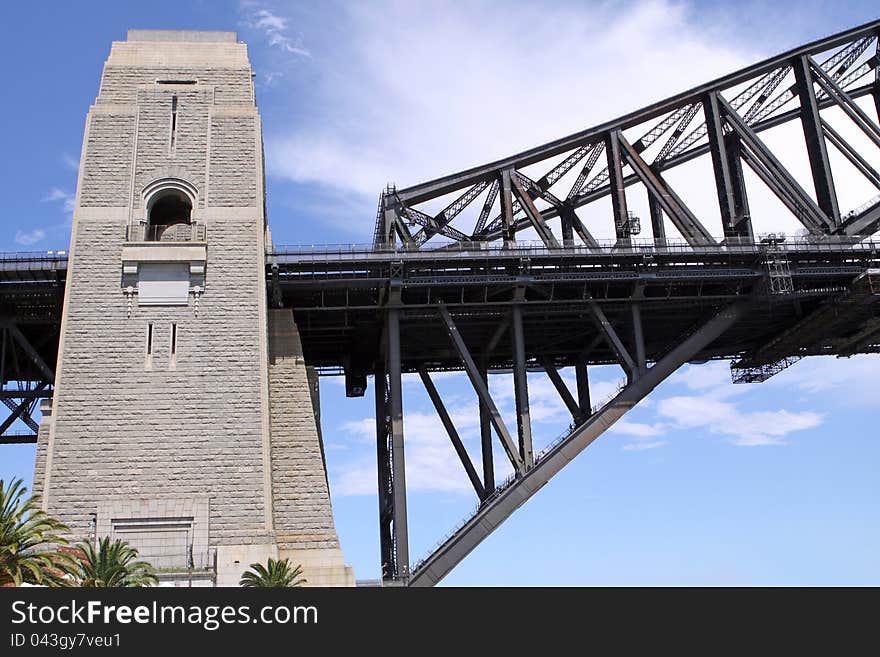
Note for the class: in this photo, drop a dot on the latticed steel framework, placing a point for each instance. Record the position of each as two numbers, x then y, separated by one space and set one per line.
724 119
540 193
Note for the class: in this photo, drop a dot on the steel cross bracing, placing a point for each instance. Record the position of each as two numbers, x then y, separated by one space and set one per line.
31 297
719 124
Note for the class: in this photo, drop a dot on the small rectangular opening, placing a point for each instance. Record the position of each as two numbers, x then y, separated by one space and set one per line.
148 359
172 361
176 82
173 121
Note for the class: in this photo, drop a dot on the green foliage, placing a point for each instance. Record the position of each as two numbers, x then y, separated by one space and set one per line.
28 537
112 564
278 574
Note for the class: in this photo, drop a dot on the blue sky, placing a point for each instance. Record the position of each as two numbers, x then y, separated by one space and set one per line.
704 483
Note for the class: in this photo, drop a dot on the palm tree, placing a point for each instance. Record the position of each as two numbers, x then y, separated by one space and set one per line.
278 574
112 565
27 539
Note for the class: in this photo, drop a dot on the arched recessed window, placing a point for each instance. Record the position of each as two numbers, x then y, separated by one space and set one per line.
169 202
168 209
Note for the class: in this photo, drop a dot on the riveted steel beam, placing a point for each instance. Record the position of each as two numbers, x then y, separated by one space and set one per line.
481 388
820 166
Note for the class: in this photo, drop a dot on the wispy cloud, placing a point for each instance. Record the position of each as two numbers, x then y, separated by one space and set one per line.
744 427
642 446
31 237
401 104
69 161
66 200
274 29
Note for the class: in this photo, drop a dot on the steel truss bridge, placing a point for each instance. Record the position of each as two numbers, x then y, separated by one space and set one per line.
494 269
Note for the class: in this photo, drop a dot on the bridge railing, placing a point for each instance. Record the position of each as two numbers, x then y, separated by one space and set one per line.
609 247
33 261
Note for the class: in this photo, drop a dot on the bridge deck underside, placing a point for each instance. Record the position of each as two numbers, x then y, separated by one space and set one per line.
339 303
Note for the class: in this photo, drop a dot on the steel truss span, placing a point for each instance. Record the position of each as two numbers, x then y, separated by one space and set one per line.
462 293
542 190
504 274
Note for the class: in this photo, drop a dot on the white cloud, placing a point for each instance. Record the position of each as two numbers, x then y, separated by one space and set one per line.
642 446
639 429
274 29
31 237
70 162
746 428
823 377
702 377
65 199
401 103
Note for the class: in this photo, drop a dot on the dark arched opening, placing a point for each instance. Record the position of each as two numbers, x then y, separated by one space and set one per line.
169 209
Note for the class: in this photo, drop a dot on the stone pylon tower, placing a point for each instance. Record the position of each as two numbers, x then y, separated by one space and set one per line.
184 417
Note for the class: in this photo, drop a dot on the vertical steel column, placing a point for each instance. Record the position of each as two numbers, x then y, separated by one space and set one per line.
521 388
720 163
389 219
506 195
618 188
815 138
398 468
383 463
743 222
657 226
639 339
565 216
583 385
486 436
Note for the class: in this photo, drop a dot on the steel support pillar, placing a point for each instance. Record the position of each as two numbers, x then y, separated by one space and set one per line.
820 166
398 468
506 195
618 188
742 226
486 436
521 388
638 339
720 163
582 374
658 229
567 229
383 463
